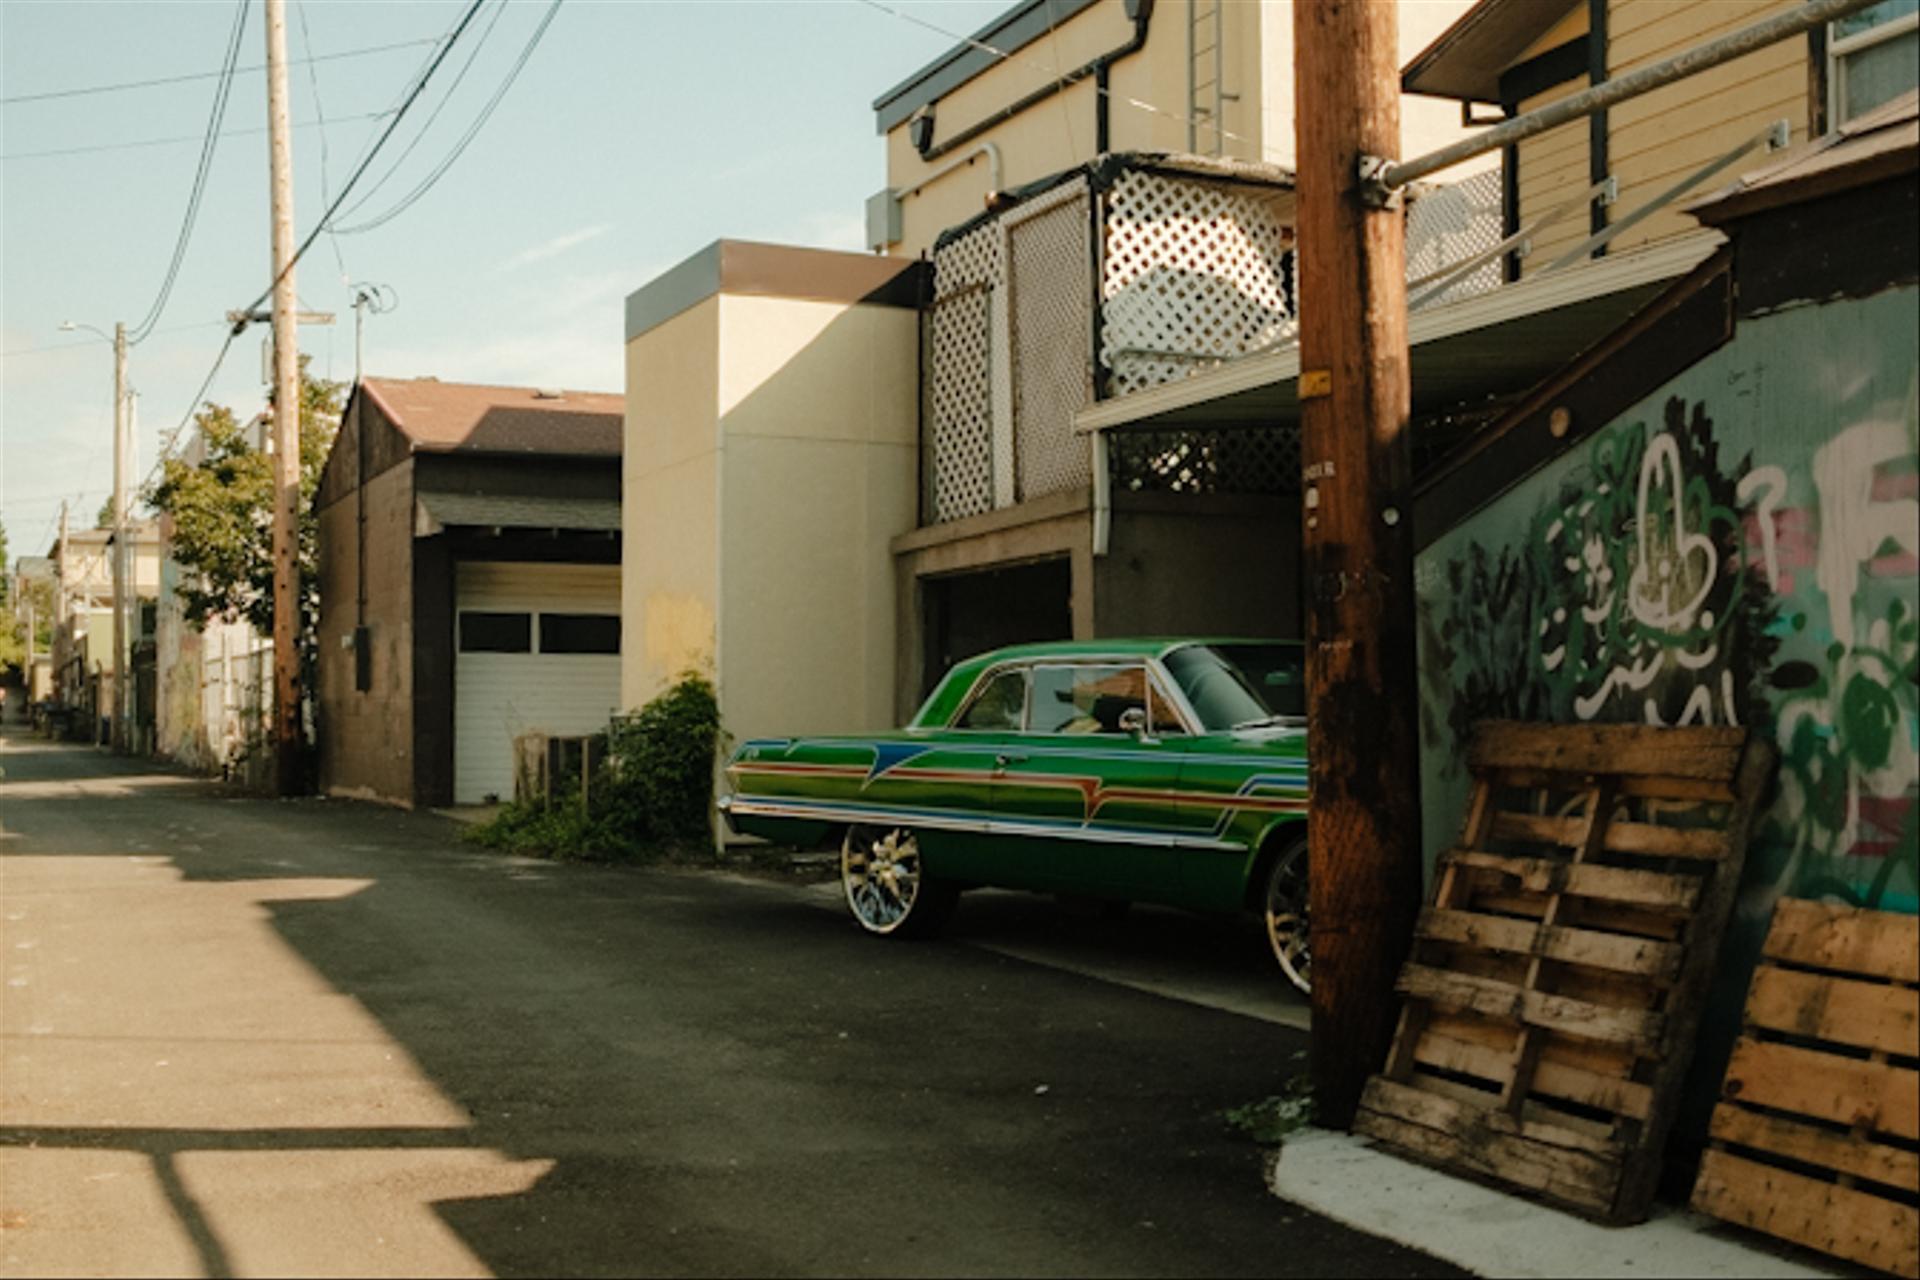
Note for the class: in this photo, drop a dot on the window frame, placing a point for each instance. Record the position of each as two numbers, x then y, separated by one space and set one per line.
985 681
1839 48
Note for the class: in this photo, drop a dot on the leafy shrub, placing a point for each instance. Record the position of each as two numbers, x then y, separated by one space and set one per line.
652 793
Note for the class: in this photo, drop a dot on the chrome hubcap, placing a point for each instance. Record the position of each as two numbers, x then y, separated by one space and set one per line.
881 873
1287 917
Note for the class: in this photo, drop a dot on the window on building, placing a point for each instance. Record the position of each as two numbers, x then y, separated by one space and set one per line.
1873 56
496 632
579 633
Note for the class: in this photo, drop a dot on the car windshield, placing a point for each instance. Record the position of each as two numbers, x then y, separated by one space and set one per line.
1234 685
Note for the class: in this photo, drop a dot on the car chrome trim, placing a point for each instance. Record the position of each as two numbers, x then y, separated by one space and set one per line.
935 820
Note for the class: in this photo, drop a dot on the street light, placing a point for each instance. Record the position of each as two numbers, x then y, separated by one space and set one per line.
122 619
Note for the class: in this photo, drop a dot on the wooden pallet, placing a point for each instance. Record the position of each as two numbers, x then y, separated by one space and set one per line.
1818 1138
1556 981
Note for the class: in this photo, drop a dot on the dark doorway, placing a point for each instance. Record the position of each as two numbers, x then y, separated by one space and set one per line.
969 613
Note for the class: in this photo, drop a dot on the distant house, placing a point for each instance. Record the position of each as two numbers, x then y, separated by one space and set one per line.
84 663
469 584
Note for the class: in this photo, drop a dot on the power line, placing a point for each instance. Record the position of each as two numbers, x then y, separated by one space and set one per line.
215 118
1053 73
319 110
179 138
208 75
427 184
458 78
393 124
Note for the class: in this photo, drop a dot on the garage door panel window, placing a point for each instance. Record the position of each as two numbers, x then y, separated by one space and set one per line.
488 632
579 633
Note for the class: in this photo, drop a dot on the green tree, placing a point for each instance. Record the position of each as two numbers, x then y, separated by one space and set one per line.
222 512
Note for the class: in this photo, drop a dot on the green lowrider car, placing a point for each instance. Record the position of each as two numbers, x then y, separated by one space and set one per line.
1171 771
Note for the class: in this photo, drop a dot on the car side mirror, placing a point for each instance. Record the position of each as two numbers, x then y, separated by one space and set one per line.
1134 721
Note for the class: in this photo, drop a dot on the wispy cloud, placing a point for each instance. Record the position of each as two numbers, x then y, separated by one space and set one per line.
555 247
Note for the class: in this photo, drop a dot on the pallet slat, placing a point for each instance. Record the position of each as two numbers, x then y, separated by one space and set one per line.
1622 837
1866 1015
1638 1029
1552 1078
1839 1220
1639 888
1555 942
1701 753
1874 1161
1845 939
1825 1086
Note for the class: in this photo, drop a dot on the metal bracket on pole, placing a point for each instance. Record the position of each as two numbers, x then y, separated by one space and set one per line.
1373 190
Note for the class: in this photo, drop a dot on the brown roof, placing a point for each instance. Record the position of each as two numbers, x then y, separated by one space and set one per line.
441 417
1883 143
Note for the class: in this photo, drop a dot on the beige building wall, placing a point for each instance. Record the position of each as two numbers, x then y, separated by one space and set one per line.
669 520
1151 103
1657 139
1426 124
819 441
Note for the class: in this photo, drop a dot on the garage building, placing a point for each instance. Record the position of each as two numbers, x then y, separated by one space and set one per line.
469 584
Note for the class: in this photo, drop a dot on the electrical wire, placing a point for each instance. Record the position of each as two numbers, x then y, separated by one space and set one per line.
88 342
1053 73
166 449
427 184
459 76
179 138
393 124
208 75
222 94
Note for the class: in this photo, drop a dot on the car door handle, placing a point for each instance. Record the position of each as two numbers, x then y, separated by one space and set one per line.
1002 761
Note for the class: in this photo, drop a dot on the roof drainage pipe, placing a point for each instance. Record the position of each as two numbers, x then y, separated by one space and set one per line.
994 170
1141 11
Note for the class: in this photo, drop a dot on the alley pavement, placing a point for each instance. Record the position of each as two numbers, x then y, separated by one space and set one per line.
252 1037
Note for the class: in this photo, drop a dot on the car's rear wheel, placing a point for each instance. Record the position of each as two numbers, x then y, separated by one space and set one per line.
1285 896
887 887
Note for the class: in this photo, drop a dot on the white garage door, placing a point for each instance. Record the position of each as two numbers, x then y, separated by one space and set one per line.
537 650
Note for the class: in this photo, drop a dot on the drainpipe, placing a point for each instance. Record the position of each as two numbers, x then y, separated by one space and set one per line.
995 172
1141 12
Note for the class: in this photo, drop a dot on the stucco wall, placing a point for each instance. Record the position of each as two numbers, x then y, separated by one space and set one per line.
367 738
818 414
1193 565
670 517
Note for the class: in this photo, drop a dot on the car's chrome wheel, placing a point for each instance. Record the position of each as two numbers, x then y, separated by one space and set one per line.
1286 902
887 889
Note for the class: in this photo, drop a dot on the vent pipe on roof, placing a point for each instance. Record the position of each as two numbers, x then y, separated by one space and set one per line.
548 393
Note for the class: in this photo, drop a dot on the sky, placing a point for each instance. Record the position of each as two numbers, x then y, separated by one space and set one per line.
636 134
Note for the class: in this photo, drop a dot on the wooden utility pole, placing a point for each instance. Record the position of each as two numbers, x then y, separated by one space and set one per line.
118 563
287 735
1363 826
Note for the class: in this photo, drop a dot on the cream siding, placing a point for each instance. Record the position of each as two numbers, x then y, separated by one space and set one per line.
1657 139
1554 168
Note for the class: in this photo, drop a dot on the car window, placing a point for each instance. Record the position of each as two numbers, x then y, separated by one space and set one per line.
1085 699
997 706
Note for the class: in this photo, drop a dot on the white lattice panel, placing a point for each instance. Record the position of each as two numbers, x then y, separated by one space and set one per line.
1051 285
1450 224
1193 275
960 377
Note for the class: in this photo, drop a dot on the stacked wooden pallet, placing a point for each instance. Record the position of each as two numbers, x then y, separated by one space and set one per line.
1556 980
1816 1139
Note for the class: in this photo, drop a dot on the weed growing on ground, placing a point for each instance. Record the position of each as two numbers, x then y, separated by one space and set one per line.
651 797
1270 1120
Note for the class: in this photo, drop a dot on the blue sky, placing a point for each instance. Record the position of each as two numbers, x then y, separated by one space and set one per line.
637 133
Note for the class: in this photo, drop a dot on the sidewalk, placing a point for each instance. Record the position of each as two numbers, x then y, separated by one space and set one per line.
1492 1233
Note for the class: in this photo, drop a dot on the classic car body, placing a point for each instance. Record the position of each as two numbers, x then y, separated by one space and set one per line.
1170 771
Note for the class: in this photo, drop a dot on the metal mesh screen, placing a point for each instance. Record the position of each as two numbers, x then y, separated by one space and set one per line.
1206 460
1193 274
1051 286
1450 224
958 456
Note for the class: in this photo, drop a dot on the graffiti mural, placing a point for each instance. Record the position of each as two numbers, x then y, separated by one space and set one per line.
1716 559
